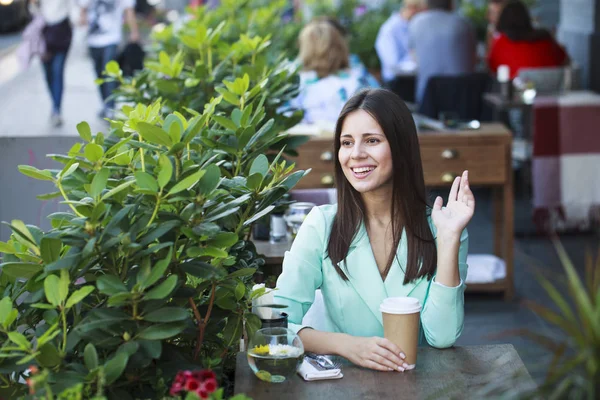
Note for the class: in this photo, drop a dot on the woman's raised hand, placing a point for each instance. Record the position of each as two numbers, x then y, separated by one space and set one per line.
454 217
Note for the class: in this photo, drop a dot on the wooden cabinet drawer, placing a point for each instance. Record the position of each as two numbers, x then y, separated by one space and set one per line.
442 161
486 164
317 155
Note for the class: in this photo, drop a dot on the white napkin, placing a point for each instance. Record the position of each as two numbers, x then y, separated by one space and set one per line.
309 373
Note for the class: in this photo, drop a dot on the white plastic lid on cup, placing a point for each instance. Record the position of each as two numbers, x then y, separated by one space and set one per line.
400 305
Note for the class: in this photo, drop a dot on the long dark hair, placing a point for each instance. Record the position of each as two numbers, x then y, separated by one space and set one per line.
410 208
515 22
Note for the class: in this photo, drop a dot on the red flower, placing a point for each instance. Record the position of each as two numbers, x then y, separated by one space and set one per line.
210 385
176 388
206 374
203 394
191 385
33 369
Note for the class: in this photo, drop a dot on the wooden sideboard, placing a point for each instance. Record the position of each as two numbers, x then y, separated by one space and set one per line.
485 152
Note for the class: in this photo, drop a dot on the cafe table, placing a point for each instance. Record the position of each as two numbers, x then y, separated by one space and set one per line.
458 372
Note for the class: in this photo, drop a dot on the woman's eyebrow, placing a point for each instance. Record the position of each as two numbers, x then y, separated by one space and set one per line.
364 134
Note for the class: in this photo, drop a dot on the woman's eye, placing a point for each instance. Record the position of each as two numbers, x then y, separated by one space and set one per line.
346 143
372 140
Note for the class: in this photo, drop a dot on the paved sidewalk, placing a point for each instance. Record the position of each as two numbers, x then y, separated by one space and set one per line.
25 102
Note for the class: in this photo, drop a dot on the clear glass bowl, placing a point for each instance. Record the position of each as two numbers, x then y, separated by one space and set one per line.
274 354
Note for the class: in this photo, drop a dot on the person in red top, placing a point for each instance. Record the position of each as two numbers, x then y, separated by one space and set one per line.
519 45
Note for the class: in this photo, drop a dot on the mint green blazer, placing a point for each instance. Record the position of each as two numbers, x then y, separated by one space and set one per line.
353 306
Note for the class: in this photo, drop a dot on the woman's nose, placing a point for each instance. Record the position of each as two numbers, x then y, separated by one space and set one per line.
358 151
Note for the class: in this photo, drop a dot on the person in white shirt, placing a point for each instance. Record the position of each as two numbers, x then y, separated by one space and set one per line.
57 34
327 80
392 40
105 23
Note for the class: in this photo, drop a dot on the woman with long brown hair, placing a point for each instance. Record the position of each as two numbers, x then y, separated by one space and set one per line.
382 239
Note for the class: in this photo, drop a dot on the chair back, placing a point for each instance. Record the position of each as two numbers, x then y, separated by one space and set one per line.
552 80
462 94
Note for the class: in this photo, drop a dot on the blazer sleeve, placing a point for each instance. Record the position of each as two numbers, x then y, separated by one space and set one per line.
443 313
302 270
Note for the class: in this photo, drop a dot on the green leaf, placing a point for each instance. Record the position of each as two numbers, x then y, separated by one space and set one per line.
68 170
63 285
225 122
117 189
229 97
114 367
167 314
233 329
110 285
157 232
146 181
78 295
113 69
50 249
224 239
49 356
259 215
21 229
240 291
162 331
5 309
253 182
51 289
119 299
19 339
166 171
243 272
7 248
163 290
93 152
260 165
210 180
174 126
187 182
154 134
50 334
84 131
99 182
43 306
90 357
206 251
18 270
203 270
35 173
158 271
293 179
48 196
261 132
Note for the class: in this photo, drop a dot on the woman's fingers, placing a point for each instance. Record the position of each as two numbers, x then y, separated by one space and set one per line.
454 190
464 179
438 203
389 350
376 366
382 360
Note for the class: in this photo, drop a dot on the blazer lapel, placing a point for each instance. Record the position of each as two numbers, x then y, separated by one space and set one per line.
394 283
363 273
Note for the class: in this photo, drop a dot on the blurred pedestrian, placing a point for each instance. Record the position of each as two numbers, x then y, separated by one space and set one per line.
519 45
392 40
57 34
105 33
442 42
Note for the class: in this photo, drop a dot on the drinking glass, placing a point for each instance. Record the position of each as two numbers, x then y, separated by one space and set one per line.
274 354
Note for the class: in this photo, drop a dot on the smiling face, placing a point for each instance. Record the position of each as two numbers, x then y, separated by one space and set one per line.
365 155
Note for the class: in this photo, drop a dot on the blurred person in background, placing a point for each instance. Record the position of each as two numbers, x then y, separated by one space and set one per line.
392 40
494 9
105 33
326 79
442 42
57 34
519 45
354 60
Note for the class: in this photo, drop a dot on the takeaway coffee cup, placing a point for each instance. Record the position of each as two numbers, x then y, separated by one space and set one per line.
401 324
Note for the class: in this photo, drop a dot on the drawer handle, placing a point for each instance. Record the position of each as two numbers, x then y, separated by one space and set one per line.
449 154
327 180
449 177
327 156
